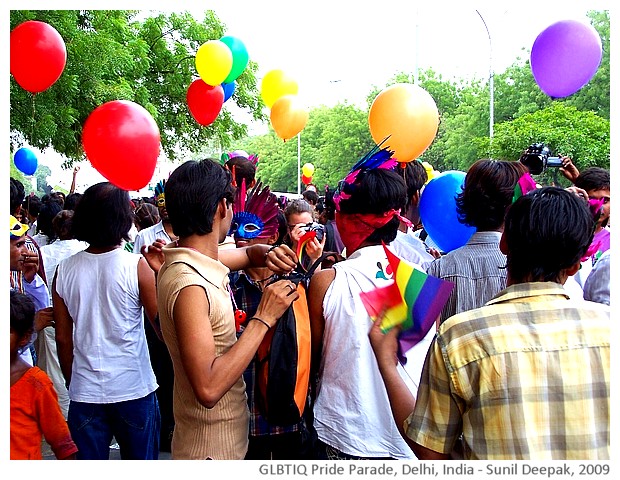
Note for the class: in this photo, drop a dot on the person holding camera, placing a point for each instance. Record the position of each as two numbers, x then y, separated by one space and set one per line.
299 216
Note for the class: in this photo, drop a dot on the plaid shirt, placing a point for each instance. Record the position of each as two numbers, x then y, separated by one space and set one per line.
247 295
524 377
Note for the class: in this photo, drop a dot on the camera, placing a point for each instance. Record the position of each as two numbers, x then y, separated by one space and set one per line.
536 158
315 227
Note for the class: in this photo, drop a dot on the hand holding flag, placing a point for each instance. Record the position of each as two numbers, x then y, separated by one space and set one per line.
413 300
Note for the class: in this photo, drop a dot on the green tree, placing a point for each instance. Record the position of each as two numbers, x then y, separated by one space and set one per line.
333 140
581 135
112 55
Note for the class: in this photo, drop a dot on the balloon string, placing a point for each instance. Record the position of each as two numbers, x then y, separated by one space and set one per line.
32 121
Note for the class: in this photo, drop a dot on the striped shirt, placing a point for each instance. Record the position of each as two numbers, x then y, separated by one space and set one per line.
524 377
477 271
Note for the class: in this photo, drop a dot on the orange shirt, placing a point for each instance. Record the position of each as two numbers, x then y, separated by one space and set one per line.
35 414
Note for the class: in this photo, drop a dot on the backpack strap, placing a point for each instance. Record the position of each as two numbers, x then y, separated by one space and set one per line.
318 261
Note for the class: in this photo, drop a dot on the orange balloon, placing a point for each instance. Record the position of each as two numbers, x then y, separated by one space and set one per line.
288 117
275 85
408 115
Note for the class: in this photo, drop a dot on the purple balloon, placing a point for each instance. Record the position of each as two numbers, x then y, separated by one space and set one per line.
565 56
239 153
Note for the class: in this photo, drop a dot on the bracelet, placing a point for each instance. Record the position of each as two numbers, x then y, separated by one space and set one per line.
261 321
271 249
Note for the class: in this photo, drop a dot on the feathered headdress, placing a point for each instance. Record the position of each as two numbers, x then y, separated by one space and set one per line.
256 216
228 155
377 157
160 197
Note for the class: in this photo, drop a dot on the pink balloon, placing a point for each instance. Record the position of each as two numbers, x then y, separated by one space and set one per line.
565 56
121 139
38 55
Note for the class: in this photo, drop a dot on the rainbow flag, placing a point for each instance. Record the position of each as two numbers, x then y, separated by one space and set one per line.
413 300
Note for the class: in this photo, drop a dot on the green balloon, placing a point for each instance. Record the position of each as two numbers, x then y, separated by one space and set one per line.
240 57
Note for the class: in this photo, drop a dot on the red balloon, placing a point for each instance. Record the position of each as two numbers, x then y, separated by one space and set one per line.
306 180
204 101
38 55
121 140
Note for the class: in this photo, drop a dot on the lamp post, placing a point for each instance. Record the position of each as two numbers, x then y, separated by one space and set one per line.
490 77
299 163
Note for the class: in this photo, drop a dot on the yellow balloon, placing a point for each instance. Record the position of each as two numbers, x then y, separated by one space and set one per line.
213 62
308 169
275 85
408 115
430 171
288 117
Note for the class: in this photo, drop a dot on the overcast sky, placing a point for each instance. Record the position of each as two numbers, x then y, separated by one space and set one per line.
339 50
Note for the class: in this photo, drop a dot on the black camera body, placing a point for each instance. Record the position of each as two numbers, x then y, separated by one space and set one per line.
319 228
536 158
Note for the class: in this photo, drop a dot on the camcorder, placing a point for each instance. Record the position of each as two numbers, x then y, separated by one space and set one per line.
319 228
536 158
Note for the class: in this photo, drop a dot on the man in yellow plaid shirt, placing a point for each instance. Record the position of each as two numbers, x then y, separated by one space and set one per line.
527 375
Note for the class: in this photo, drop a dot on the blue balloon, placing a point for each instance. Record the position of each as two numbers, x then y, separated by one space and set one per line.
26 161
438 211
229 89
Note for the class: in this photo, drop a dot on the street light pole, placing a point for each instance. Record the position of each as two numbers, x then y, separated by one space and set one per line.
299 163
490 77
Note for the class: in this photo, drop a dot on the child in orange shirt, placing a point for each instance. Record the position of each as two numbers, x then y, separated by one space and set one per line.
35 412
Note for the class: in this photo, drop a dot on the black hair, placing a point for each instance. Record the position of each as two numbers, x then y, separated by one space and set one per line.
49 209
593 178
62 224
546 231
243 169
32 204
146 215
282 228
310 196
103 216
487 193
57 197
72 200
22 313
329 205
415 177
17 194
192 195
377 191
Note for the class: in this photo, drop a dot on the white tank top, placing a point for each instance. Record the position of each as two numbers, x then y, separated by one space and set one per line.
352 410
110 355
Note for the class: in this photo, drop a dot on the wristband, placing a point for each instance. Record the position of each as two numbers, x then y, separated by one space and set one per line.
261 321
272 248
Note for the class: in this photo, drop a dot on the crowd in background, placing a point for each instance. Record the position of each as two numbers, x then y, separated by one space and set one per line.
136 321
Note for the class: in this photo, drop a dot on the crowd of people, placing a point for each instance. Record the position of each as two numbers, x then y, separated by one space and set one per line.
137 321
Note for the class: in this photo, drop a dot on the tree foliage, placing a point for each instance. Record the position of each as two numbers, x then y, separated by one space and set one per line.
114 55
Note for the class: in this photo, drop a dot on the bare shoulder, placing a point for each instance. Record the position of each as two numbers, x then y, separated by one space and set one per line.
321 280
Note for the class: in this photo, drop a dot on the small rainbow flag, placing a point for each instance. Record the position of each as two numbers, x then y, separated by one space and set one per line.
413 300
303 241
